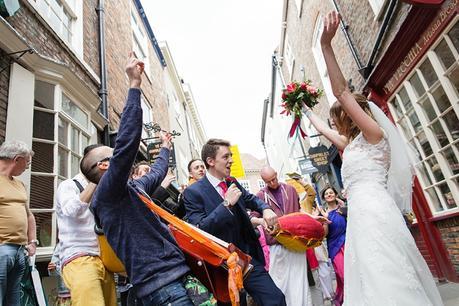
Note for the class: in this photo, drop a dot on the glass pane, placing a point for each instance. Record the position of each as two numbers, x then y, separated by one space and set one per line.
62 132
41 192
441 99
435 167
398 109
454 78
75 164
43 158
404 98
417 85
74 111
44 228
44 95
428 109
43 125
434 199
414 120
84 143
447 195
405 128
428 72
451 158
62 157
425 175
454 35
439 133
444 54
54 20
75 140
424 144
452 123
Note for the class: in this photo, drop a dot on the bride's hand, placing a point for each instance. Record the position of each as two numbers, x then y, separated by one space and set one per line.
331 24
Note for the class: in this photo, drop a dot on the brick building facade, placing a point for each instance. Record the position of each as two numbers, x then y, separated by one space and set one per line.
405 56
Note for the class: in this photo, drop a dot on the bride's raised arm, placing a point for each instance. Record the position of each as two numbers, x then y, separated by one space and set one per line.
366 124
332 135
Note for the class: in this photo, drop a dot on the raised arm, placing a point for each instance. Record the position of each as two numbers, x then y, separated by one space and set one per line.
332 135
366 124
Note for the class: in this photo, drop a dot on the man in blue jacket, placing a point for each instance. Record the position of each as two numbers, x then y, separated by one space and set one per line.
217 204
153 261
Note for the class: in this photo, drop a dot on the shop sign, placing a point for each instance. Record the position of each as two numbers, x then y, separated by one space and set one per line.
419 48
306 166
319 158
237 168
153 149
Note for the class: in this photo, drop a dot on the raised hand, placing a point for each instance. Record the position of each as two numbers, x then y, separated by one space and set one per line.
166 139
134 70
233 194
331 24
167 180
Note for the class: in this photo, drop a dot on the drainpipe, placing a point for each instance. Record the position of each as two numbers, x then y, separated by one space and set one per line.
103 92
283 32
366 71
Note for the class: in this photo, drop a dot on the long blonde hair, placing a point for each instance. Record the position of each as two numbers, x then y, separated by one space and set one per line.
343 122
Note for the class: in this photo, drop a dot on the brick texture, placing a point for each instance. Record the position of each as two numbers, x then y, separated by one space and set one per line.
4 85
449 229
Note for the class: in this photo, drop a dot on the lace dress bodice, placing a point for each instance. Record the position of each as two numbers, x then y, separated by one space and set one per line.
365 163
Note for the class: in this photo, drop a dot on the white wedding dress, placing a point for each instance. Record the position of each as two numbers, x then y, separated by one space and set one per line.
382 265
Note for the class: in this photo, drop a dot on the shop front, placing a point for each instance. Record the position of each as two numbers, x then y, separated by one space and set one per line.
416 83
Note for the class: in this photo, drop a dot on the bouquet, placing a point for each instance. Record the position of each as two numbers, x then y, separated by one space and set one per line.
293 98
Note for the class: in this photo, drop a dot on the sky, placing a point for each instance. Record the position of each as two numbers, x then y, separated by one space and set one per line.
223 49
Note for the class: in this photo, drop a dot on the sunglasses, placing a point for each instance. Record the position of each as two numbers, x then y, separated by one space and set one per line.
106 159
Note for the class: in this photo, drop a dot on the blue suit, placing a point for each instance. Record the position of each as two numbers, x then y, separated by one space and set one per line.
205 209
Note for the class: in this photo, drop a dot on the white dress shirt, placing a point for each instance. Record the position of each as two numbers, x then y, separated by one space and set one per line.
75 221
215 181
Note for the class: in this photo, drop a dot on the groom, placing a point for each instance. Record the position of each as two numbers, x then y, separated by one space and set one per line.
219 208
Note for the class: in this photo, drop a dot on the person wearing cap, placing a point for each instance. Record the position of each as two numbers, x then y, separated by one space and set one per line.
305 191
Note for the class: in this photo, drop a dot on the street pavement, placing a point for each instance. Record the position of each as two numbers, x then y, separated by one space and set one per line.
449 293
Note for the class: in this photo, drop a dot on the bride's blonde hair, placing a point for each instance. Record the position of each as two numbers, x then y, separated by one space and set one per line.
343 122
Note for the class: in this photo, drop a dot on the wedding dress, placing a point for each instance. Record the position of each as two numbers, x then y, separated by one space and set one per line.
382 265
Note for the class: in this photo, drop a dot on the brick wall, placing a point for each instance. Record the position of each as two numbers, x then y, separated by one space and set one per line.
118 39
39 36
421 244
90 34
4 86
449 229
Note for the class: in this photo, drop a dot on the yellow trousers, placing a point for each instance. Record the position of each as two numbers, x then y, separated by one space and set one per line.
90 284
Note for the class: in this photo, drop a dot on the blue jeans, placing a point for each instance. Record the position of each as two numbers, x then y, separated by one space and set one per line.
173 294
12 267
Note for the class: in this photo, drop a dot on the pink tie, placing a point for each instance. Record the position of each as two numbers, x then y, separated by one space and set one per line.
224 187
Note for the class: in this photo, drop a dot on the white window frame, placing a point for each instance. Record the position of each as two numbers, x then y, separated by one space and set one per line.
89 132
245 184
378 7
261 184
320 61
140 41
147 115
74 9
289 58
450 178
299 7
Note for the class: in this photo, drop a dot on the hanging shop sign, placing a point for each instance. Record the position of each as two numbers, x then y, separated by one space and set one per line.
237 168
319 158
306 166
153 149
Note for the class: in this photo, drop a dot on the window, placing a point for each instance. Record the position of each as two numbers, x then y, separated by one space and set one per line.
261 184
61 131
146 116
140 41
60 15
426 109
377 7
245 184
320 62
289 58
299 6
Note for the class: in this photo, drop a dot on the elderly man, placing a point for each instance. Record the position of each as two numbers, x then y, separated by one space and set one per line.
17 223
288 269
154 263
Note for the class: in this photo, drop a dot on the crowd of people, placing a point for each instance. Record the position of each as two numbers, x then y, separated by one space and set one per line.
370 267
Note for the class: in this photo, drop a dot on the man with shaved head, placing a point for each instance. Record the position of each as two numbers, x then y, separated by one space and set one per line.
154 263
288 269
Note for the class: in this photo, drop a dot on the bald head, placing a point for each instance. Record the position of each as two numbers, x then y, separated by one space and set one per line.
269 176
95 163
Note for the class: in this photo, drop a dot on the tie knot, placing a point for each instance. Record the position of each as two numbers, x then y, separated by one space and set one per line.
223 186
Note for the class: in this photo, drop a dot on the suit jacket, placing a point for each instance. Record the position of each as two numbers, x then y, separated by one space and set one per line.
204 208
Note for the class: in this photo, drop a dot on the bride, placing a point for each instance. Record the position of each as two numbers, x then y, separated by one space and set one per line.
382 265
